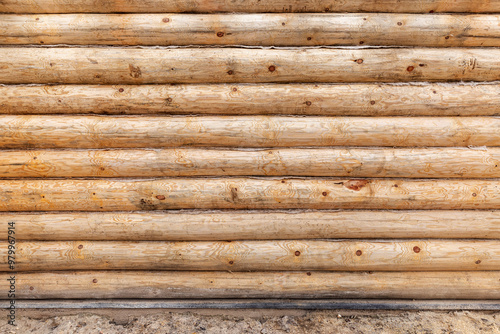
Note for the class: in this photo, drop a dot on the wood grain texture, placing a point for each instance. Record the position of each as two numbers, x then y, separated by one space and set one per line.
220 65
252 225
247 193
408 255
179 162
253 29
178 284
28 132
299 99
203 6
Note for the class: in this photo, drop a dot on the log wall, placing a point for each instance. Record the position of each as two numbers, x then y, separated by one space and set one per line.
250 149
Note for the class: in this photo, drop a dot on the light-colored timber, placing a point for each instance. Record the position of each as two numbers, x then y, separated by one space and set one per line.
252 225
246 193
65 131
203 6
253 29
178 284
299 99
178 162
264 255
218 65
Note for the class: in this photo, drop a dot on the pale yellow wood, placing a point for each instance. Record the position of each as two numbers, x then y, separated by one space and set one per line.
341 162
300 99
246 193
178 284
218 65
149 6
252 29
408 255
252 225
21 132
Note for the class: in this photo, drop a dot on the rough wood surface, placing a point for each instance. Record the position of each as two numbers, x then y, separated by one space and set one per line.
247 193
252 225
252 29
341 162
407 255
219 65
23 132
203 6
178 284
299 99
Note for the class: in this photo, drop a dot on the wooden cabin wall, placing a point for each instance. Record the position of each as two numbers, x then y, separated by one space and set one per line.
250 149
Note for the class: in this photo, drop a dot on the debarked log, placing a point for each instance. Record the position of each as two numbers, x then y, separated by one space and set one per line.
181 162
253 29
188 284
247 193
293 6
252 225
30 132
264 255
114 65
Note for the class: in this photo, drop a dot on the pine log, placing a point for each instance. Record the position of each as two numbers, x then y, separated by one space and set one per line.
252 225
179 162
28 132
240 99
179 284
219 65
246 193
292 6
265 255
253 29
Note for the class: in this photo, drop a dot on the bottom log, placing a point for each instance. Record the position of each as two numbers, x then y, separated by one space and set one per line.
140 284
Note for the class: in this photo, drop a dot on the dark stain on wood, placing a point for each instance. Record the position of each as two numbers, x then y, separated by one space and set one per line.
356 185
135 71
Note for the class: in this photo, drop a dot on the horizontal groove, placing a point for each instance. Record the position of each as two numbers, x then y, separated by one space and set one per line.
418 99
253 29
219 65
198 225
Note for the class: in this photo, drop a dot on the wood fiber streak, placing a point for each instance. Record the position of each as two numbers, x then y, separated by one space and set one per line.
253 29
204 6
28 132
408 255
179 162
299 99
220 65
238 225
246 193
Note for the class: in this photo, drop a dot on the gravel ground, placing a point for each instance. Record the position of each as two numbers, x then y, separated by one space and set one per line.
254 321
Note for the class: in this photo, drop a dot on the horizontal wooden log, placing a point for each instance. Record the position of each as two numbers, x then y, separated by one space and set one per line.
178 284
23 132
178 162
299 99
408 255
247 193
252 29
201 6
251 225
219 65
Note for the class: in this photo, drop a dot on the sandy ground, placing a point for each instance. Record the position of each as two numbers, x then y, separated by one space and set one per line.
254 321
